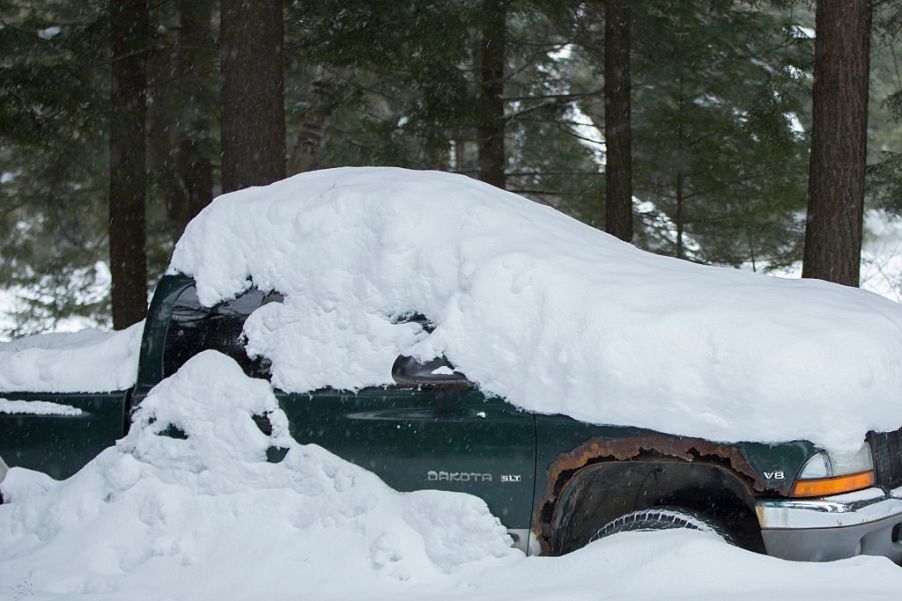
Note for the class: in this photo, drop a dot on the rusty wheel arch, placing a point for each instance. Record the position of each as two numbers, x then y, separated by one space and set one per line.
658 448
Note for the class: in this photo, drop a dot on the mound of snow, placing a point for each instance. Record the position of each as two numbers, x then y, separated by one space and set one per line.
682 564
157 516
545 311
85 361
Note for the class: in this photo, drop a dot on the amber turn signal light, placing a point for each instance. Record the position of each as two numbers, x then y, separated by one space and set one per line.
822 487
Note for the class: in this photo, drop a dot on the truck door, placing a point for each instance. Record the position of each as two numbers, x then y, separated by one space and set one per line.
414 436
448 439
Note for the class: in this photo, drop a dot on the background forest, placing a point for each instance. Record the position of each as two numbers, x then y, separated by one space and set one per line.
509 91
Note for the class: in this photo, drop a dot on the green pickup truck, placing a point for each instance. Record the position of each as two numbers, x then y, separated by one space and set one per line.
556 483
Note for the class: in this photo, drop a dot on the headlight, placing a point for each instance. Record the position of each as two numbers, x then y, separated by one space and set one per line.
834 473
819 466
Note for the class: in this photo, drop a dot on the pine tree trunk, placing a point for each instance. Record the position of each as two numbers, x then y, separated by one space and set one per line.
490 129
253 111
130 37
163 115
618 167
838 141
194 62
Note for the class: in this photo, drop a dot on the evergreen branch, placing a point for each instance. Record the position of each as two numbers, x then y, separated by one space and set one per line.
568 96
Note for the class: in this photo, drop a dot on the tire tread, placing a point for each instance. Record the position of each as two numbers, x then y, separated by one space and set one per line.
663 518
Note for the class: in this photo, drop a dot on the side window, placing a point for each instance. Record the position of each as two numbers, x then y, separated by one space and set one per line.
194 328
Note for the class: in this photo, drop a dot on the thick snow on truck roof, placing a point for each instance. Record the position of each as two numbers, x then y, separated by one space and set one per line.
553 315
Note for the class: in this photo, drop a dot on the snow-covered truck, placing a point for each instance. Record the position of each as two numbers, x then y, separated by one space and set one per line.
447 335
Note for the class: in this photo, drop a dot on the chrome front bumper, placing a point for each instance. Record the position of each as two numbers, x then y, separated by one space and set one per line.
867 522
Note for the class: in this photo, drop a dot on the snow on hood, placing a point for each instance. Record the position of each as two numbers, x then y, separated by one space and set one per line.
85 361
159 514
553 315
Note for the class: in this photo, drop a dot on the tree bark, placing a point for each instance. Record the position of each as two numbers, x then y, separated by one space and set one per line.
618 163
130 40
194 60
490 128
163 115
838 141
253 110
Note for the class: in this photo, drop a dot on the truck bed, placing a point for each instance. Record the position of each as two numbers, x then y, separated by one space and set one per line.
58 433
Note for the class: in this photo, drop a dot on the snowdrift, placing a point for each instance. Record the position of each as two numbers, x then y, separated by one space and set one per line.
85 361
161 515
207 518
553 315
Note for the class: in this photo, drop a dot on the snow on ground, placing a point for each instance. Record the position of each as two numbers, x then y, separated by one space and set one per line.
7 307
207 518
545 311
20 306
85 361
881 255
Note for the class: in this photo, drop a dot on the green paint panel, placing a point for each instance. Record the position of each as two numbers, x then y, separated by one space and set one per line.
415 439
61 445
786 457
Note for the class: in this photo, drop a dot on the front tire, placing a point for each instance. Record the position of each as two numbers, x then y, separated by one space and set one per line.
663 518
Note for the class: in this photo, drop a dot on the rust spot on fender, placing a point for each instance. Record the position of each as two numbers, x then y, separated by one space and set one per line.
634 448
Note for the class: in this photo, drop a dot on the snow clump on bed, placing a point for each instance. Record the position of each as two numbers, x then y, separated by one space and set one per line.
207 508
85 361
553 315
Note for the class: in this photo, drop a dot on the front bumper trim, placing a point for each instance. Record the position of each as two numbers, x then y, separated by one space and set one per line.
868 523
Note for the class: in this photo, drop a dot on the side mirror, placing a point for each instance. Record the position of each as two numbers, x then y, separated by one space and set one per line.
435 373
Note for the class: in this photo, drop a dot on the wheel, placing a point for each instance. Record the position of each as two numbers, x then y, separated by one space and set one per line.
663 518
